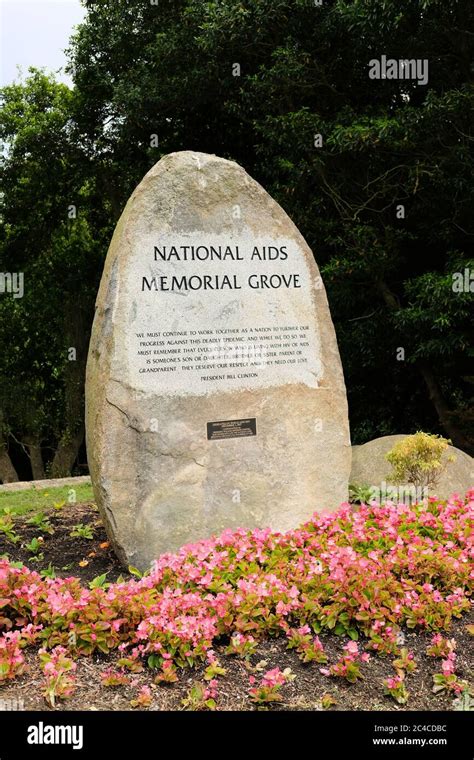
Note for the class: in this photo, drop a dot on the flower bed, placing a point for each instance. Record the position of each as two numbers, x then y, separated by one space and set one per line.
363 575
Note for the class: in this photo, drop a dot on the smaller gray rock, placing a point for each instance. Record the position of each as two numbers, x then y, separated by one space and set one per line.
370 468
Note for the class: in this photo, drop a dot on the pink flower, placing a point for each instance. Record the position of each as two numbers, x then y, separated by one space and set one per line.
273 678
393 683
317 644
303 630
352 648
449 664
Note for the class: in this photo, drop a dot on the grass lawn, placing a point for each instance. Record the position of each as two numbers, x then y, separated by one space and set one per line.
38 500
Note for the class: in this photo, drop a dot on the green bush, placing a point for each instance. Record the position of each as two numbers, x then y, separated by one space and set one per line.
419 459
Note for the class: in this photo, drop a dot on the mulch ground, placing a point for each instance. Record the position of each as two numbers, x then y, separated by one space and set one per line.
88 558
81 557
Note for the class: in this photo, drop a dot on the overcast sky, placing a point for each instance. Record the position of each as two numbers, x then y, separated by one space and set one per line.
35 33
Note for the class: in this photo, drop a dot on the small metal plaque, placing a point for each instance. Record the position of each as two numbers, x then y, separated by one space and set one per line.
219 431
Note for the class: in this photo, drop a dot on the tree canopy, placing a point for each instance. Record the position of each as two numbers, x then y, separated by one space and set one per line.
377 174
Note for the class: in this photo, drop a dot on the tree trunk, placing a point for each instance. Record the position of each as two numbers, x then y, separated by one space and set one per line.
444 413
8 474
73 434
36 458
67 453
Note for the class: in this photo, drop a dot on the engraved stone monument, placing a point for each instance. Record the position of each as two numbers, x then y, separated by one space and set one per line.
214 395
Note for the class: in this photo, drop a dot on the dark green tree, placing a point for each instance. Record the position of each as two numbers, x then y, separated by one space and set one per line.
169 70
53 234
283 88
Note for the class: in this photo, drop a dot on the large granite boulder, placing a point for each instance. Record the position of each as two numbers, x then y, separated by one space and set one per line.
214 396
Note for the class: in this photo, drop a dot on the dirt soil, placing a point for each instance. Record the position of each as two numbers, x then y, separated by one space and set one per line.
82 557
69 557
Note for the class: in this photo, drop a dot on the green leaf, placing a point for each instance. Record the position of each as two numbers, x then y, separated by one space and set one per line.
98 581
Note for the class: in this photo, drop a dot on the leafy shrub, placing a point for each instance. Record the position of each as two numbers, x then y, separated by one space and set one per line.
7 527
395 687
112 677
418 459
201 697
309 648
58 670
360 494
12 662
82 531
405 662
42 522
143 699
348 666
268 690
